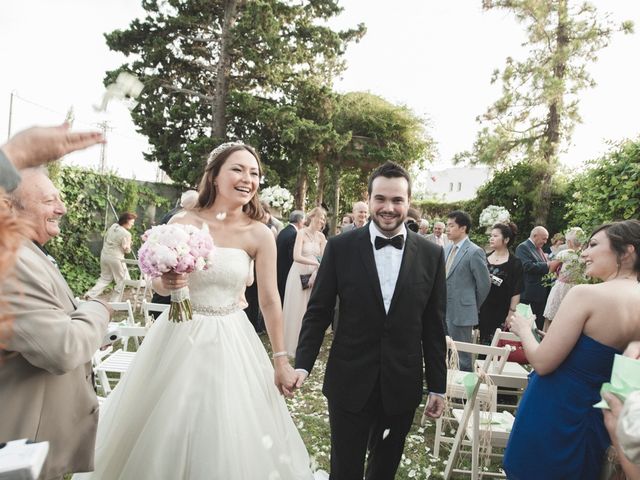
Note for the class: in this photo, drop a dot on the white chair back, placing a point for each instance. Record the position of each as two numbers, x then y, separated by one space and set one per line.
148 307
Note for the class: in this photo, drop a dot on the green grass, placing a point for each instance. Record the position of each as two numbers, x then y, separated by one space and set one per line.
309 411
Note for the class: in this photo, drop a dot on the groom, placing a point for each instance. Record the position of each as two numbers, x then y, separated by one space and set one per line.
391 284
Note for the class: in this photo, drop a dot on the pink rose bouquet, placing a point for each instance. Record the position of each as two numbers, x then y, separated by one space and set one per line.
178 248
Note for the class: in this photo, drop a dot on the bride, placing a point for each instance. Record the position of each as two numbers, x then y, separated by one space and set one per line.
199 400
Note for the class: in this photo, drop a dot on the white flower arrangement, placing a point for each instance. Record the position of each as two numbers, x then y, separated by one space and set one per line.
277 197
494 214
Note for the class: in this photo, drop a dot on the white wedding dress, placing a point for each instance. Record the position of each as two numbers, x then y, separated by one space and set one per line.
199 401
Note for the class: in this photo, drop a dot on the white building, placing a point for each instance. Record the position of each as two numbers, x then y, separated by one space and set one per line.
450 184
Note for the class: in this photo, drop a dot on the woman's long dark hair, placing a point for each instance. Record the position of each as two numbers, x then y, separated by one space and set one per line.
620 235
207 190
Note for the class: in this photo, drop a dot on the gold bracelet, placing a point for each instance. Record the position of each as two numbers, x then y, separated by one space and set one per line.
279 354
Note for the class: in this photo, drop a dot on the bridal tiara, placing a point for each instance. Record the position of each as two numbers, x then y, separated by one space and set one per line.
221 148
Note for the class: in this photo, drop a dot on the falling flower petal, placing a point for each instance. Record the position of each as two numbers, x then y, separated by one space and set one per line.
221 216
267 442
385 433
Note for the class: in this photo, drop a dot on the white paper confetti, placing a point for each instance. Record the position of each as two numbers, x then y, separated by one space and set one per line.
221 216
126 85
267 442
385 433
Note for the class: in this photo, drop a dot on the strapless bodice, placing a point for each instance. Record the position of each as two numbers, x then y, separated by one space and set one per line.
224 282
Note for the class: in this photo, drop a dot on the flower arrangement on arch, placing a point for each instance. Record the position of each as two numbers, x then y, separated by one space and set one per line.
277 197
494 214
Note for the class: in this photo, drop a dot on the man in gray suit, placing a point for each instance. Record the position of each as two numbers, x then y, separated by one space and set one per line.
468 281
46 384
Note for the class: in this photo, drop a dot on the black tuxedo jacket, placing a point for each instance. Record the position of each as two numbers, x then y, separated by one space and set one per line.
370 344
284 244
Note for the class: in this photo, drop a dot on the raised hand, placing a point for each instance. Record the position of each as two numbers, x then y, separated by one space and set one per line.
38 145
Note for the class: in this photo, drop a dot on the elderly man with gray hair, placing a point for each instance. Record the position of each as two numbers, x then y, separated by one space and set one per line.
46 385
284 244
360 212
535 265
438 236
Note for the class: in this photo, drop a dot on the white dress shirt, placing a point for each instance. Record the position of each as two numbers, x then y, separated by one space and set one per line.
388 260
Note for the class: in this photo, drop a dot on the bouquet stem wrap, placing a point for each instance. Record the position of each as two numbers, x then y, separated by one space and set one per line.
180 309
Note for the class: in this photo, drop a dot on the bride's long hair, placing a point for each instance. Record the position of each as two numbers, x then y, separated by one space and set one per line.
207 190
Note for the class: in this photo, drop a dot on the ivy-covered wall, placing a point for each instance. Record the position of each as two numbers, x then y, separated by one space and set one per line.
86 194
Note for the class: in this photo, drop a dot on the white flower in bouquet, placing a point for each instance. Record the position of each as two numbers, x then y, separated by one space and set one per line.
178 248
277 197
494 214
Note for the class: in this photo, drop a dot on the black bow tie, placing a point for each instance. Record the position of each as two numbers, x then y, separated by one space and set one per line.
396 242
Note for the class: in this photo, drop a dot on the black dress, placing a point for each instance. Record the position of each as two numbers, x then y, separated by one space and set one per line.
495 308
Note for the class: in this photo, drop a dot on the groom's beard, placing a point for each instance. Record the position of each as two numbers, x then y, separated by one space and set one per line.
388 228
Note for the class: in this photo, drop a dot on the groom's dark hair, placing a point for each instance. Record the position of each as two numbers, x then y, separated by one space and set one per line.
389 170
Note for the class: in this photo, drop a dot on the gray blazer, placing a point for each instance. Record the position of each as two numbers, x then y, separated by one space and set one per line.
46 385
468 284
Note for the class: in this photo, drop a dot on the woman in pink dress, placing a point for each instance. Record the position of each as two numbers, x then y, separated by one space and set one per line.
307 252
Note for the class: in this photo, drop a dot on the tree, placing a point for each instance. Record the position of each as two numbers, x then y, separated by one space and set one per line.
534 118
376 131
608 190
510 188
206 64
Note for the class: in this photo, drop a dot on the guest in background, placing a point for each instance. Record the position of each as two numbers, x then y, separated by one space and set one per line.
117 243
438 236
535 265
46 384
423 227
557 245
307 252
284 243
269 220
557 433
273 221
347 219
360 213
506 281
468 281
567 274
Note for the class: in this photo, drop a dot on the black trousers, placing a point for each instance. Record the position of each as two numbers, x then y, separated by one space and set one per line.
353 433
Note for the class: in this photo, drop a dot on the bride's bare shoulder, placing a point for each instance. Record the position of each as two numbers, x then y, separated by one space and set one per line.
188 217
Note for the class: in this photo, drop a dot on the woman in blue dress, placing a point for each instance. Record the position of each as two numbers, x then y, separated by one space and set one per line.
557 433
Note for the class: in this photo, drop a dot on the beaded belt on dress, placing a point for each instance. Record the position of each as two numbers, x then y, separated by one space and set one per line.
217 311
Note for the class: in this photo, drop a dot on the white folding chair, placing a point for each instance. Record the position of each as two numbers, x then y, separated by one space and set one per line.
474 424
128 321
135 285
513 378
455 383
148 307
115 362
